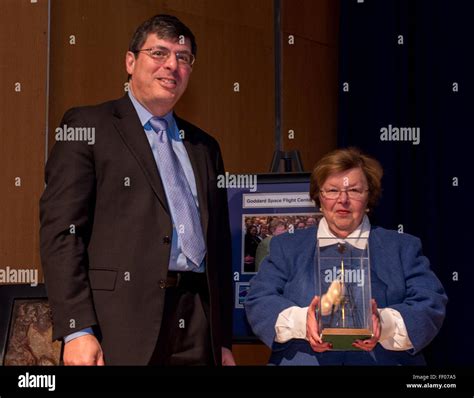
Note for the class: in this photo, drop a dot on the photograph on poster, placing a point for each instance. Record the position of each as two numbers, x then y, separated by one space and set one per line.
241 290
281 204
258 230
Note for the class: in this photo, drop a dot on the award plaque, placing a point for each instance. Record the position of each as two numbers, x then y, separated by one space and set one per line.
343 272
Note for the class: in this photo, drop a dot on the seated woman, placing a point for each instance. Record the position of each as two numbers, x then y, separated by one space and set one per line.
409 302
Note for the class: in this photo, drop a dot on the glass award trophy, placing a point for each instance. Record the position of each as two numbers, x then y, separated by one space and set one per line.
343 272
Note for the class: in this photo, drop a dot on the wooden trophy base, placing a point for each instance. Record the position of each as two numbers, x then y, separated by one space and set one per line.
342 338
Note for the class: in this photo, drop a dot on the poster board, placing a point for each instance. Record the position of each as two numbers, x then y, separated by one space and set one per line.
278 204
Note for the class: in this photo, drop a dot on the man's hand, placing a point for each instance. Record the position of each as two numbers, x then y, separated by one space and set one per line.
227 357
84 350
312 329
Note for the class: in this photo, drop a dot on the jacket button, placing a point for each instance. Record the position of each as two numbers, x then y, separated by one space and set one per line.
166 240
162 284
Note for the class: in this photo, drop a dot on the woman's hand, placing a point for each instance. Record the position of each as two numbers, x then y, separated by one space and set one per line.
369 344
312 328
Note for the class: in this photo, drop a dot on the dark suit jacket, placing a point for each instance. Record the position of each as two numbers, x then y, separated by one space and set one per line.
401 279
104 233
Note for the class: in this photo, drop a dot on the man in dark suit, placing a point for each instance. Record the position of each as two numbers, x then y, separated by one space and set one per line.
135 241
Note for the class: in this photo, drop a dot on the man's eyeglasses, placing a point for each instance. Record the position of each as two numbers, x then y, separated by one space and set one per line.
352 193
161 54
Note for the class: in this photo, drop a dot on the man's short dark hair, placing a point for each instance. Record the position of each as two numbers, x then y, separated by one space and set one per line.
165 27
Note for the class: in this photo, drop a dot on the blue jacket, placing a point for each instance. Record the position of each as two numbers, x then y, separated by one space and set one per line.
401 279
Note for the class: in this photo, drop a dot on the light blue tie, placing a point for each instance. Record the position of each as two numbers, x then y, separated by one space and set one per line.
187 222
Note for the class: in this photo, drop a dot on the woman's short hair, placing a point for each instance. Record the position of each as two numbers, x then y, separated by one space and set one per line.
346 159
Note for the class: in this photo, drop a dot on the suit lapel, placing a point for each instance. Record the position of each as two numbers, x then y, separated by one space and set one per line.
128 125
197 157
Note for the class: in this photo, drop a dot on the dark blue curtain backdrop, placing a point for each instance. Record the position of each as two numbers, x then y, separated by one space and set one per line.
411 85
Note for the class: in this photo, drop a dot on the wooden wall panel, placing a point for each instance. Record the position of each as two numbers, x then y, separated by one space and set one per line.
93 69
251 354
234 45
310 77
316 20
23 60
243 122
